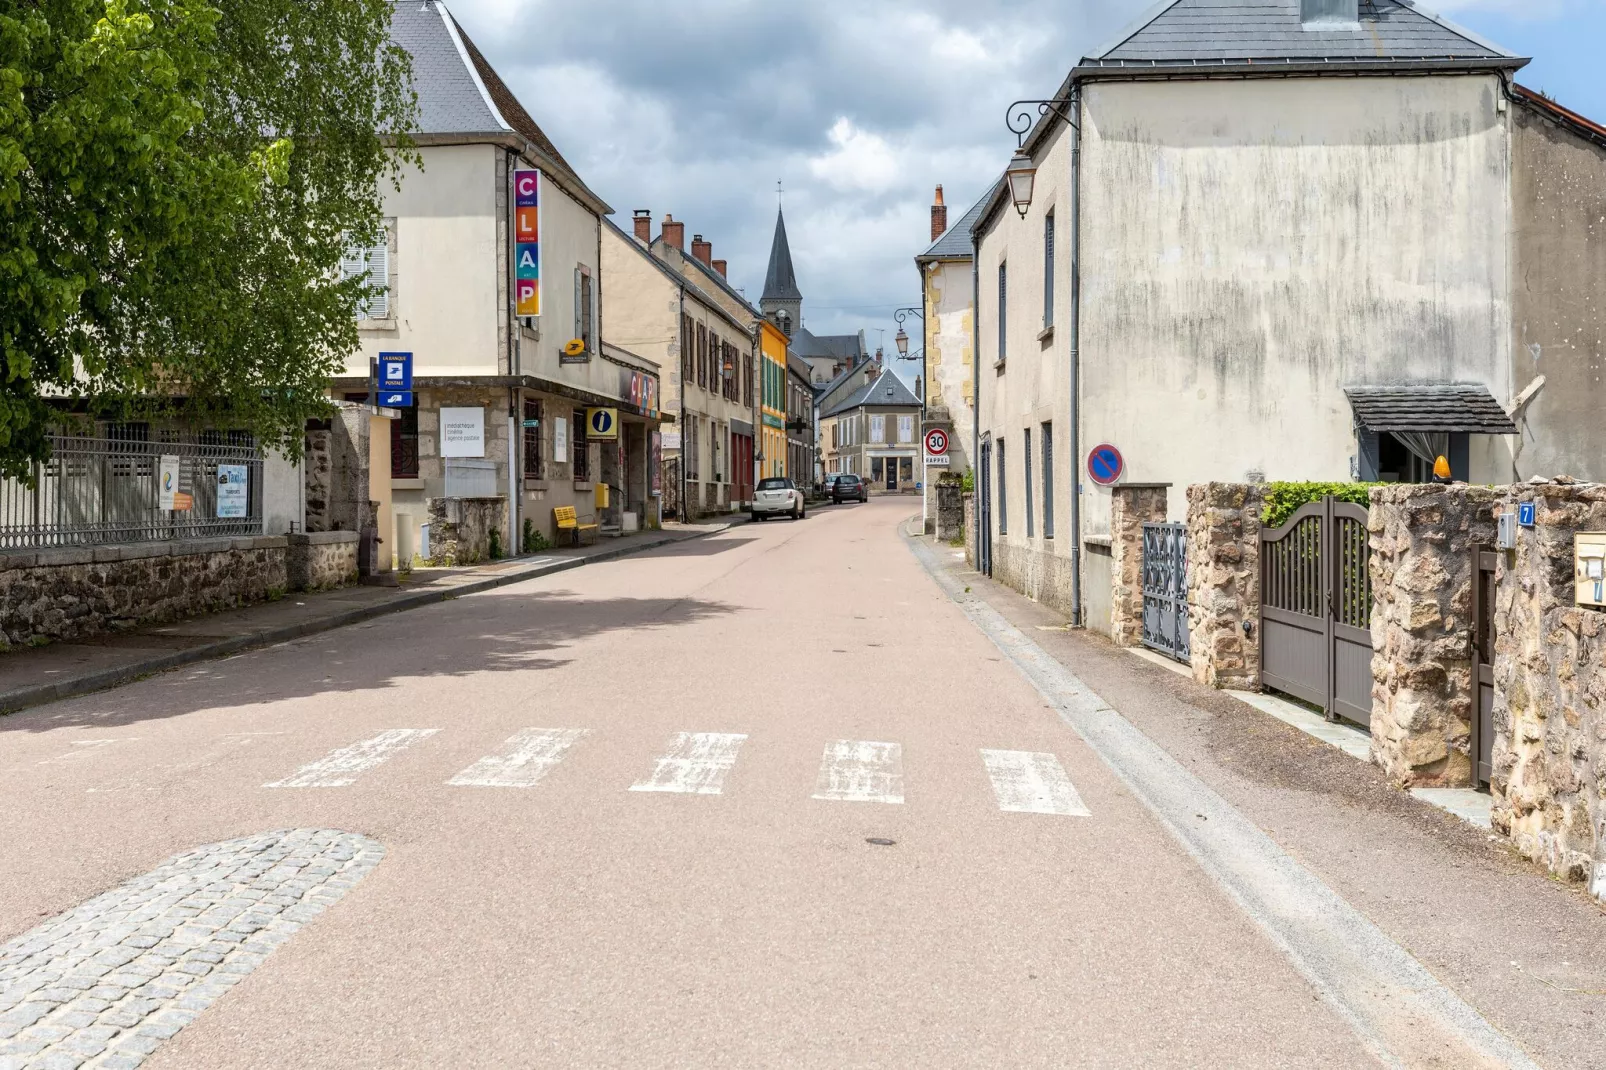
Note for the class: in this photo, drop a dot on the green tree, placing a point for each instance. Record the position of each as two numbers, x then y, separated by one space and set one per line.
178 182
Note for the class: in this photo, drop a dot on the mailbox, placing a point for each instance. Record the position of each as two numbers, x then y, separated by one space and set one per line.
1589 559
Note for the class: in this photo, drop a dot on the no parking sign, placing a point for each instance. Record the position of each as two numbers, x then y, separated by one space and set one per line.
1105 466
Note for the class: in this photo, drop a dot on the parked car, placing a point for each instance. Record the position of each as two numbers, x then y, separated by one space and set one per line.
825 485
777 497
849 488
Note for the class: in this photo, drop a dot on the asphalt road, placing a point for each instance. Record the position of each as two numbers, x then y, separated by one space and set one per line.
631 825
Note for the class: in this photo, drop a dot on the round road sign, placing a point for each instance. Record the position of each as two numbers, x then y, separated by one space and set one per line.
936 442
1105 465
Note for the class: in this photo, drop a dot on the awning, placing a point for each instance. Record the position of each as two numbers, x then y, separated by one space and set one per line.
1430 408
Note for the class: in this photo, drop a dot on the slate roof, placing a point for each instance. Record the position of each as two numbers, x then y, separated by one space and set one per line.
823 394
461 95
955 241
887 391
1424 407
836 346
1243 31
780 281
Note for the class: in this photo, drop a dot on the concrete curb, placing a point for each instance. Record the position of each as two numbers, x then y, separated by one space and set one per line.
23 698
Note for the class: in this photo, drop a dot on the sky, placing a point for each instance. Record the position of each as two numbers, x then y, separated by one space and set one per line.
699 107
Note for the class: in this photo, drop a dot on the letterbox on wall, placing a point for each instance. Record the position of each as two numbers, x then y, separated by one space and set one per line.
1589 561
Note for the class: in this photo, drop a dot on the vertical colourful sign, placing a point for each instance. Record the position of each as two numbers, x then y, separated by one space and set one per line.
527 242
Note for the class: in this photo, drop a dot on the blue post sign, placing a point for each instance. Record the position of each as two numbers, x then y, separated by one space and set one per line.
1105 465
395 381
1525 514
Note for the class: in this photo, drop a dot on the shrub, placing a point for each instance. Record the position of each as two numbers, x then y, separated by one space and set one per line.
534 541
1284 499
496 544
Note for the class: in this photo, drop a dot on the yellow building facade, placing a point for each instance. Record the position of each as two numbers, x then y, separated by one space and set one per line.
772 401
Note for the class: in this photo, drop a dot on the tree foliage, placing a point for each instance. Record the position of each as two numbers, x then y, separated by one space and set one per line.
178 181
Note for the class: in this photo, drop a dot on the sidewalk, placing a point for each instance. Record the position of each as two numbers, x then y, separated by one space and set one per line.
32 677
1527 952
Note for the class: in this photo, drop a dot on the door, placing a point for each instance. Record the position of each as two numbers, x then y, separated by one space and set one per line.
984 509
1483 638
1316 609
892 473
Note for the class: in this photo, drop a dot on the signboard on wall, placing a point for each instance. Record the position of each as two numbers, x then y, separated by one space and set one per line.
640 390
602 424
560 440
167 483
463 432
233 491
527 242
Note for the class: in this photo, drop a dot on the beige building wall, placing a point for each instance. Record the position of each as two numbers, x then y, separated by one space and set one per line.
950 317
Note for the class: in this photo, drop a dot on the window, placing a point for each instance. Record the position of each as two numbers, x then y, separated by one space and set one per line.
878 429
906 429
714 347
1048 271
1027 461
581 448
1048 481
1003 305
372 264
404 444
688 342
532 439
1003 498
714 472
584 312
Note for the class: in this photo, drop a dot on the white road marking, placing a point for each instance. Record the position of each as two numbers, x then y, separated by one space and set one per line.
855 770
83 747
1032 783
696 764
530 756
341 767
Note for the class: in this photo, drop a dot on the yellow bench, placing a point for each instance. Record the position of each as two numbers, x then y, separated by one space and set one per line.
568 520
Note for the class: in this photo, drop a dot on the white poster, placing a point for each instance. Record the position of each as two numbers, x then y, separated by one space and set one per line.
463 432
233 497
167 482
671 440
560 440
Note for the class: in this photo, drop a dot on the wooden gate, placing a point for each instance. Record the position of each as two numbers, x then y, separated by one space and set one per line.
1482 744
1316 609
1165 590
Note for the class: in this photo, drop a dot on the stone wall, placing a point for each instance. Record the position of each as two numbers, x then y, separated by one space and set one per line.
460 529
76 593
1041 576
1224 584
1131 506
336 471
321 560
1549 776
1423 538
950 510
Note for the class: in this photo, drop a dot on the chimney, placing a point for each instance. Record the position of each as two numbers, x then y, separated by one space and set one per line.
644 226
719 266
674 233
702 250
939 216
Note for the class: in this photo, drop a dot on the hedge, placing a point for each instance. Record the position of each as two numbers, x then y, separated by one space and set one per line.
1284 499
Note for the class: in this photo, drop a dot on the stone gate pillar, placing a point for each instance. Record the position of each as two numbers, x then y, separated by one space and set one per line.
1131 506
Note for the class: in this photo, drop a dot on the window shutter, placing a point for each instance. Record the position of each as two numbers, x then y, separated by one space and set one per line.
379 280
578 303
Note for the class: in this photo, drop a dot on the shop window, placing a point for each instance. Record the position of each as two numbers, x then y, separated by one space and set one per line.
532 439
581 448
404 444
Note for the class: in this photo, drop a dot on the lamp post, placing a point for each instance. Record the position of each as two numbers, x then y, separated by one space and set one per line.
902 342
1022 169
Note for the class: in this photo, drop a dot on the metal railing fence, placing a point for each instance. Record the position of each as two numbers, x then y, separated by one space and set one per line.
100 487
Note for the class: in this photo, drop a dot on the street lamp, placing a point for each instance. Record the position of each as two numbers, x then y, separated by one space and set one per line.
1022 169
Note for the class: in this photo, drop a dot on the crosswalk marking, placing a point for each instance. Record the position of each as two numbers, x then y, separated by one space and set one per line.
1029 783
529 756
861 771
341 767
696 764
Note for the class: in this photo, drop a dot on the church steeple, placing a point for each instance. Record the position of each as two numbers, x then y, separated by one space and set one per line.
782 301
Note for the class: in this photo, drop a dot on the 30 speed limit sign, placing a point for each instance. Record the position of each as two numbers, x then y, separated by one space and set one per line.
937 447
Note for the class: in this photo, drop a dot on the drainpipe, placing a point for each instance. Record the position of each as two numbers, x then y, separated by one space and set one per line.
1075 368
685 510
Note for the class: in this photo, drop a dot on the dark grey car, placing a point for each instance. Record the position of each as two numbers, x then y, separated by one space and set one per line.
849 488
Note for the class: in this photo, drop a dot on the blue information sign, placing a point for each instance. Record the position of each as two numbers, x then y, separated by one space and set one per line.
395 371
1105 465
1525 514
395 399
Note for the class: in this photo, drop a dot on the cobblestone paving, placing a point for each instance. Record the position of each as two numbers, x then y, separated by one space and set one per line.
103 985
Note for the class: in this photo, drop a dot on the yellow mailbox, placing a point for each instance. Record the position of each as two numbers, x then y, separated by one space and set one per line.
601 495
1589 560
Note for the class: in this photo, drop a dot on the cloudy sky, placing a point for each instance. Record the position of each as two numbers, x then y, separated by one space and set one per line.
698 108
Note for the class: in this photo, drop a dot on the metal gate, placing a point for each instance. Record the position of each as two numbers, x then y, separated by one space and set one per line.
1484 564
1165 590
1316 609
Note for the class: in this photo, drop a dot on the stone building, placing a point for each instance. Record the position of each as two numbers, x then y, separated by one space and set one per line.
875 433
802 462
503 395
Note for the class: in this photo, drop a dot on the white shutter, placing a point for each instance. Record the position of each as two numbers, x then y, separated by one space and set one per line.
378 306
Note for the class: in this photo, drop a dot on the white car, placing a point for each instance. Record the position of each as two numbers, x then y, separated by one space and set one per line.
777 497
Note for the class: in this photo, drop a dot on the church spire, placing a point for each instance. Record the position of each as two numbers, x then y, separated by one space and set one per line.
780 282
